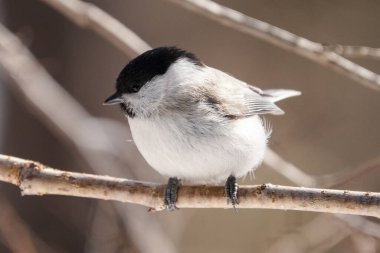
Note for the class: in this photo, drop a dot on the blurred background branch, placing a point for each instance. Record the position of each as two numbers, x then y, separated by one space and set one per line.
309 49
19 239
359 52
318 235
90 16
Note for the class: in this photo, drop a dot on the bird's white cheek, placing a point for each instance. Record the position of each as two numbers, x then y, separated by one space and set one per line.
146 101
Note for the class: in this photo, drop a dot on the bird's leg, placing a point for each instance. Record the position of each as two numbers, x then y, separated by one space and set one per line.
171 193
232 191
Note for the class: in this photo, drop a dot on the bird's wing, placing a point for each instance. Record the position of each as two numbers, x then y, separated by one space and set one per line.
232 98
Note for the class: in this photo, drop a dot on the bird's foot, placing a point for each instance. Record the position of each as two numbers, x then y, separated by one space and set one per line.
171 193
232 191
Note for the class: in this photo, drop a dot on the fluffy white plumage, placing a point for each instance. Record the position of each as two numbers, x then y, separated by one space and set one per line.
200 124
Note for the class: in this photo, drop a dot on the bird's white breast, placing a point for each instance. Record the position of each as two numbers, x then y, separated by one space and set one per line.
169 149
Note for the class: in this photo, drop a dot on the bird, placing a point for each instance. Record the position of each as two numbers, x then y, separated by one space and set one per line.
192 122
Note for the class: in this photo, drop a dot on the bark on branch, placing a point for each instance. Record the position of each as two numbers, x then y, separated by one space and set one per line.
34 178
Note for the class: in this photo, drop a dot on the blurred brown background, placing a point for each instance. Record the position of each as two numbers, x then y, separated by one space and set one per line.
333 126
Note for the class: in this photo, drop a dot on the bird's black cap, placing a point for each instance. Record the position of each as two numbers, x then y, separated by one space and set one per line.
148 65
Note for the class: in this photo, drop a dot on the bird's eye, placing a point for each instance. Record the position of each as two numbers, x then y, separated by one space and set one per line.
135 88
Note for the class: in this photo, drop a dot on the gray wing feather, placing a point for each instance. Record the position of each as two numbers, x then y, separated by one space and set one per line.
233 98
222 97
261 105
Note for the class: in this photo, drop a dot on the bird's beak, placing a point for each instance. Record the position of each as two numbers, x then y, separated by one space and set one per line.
113 100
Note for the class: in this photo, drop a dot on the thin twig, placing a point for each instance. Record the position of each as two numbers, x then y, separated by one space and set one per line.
309 49
324 231
341 177
288 169
359 52
364 243
36 179
363 225
88 15
299 177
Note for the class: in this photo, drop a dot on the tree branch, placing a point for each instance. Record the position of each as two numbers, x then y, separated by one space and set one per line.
36 179
355 51
88 15
311 50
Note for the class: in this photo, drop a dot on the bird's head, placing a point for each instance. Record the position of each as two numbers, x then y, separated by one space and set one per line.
142 83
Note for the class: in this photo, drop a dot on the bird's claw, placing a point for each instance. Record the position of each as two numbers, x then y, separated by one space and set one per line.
232 191
171 193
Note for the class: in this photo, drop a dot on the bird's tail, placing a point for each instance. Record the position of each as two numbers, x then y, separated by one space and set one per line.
275 95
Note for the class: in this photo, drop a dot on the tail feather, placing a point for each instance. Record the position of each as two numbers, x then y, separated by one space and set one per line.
275 95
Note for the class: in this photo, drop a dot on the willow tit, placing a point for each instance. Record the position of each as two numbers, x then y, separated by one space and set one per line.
194 122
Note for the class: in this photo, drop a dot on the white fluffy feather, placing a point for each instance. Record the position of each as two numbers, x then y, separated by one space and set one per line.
182 132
